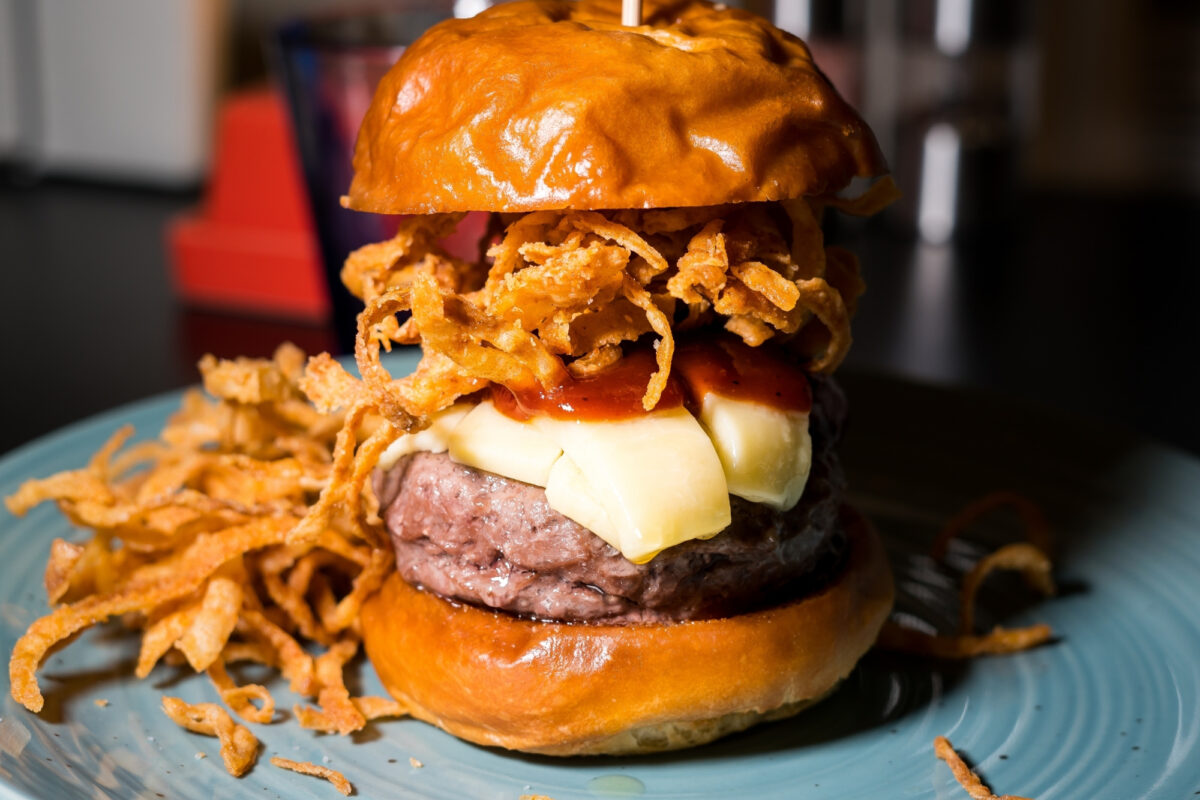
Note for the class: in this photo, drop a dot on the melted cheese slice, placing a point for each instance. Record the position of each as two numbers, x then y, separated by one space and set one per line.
430 440
642 484
569 493
488 440
657 478
766 453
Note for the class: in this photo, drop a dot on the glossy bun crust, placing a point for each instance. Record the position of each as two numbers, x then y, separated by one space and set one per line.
561 689
550 104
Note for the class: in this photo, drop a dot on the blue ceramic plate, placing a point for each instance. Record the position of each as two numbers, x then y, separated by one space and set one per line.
1111 709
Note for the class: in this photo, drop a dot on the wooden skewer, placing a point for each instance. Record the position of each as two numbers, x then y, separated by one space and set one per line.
631 13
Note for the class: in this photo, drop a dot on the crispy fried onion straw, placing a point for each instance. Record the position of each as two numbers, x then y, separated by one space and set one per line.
308 768
239 747
244 532
964 775
564 289
1037 529
1025 557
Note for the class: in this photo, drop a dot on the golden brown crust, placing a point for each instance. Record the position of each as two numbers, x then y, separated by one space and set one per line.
547 104
563 689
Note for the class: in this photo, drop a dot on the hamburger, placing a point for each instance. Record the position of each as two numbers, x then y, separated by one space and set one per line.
617 510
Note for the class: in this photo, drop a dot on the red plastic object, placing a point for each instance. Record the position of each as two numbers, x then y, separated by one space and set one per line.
252 246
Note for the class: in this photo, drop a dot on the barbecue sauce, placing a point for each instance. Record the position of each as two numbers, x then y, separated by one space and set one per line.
728 367
716 363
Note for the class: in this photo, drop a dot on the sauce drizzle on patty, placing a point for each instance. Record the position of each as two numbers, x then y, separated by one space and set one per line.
717 364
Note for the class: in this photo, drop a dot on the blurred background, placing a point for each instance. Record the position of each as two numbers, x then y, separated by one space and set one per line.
169 174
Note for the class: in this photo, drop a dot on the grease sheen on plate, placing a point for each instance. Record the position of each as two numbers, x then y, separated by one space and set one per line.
1107 711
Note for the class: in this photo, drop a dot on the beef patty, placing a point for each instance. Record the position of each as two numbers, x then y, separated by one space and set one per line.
491 541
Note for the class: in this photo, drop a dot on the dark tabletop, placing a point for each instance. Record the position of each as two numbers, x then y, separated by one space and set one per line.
1082 305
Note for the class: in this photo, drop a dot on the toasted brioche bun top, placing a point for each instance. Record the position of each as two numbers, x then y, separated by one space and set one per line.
551 104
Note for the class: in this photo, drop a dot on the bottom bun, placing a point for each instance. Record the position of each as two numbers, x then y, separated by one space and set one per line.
561 689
